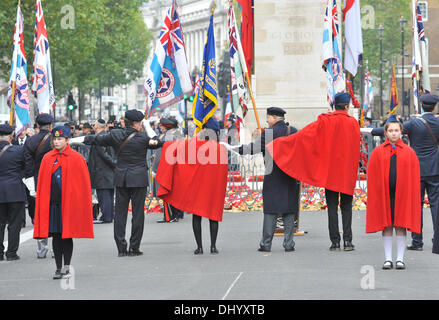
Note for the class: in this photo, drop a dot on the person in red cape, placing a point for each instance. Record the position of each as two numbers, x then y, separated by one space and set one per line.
192 175
63 208
393 193
326 154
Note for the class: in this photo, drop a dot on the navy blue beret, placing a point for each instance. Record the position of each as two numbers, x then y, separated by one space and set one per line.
429 99
134 115
61 131
342 98
6 129
212 124
392 118
169 122
45 118
275 111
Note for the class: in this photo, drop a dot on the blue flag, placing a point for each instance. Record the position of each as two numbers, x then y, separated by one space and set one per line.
205 102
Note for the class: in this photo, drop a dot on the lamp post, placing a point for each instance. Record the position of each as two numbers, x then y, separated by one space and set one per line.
380 32
402 23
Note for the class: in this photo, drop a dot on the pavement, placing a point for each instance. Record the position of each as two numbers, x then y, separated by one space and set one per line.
169 270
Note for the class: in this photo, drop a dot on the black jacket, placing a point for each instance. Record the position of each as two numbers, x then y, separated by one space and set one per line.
32 159
12 171
280 192
131 168
101 165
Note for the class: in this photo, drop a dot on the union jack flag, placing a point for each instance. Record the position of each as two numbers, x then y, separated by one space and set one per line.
420 24
42 81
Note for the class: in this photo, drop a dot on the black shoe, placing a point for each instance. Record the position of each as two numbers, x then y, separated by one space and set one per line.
134 253
415 248
348 246
198 251
57 275
12 258
162 221
214 250
334 247
289 249
262 249
122 254
174 220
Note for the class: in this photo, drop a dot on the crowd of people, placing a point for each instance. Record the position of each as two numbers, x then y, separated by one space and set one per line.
55 170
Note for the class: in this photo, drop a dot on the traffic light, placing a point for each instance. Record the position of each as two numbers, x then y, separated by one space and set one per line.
124 107
190 98
71 104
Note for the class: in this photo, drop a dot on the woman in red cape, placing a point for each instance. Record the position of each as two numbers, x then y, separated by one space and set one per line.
63 206
393 193
194 184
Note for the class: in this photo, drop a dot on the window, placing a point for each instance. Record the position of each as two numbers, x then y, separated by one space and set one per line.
140 89
423 7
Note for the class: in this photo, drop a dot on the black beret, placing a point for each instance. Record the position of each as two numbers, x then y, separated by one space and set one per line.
169 122
134 115
86 125
61 131
45 118
6 129
101 121
342 98
368 119
275 111
429 99
212 124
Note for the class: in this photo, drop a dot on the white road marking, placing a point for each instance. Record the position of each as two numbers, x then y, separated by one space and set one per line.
23 237
231 286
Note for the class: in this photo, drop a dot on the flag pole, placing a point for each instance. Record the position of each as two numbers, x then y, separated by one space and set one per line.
249 83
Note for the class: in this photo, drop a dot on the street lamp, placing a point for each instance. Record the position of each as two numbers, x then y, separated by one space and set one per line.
380 32
402 23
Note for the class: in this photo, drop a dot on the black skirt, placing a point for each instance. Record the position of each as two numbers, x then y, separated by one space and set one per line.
392 185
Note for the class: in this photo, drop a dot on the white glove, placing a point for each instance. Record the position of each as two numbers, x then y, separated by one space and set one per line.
366 131
229 147
151 133
77 140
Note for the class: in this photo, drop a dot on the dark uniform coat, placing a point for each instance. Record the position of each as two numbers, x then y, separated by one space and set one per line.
12 171
101 165
280 191
131 168
30 147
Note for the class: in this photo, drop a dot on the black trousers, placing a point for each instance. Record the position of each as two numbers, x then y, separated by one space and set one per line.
332 200
123 197
106 203
30 205
11 214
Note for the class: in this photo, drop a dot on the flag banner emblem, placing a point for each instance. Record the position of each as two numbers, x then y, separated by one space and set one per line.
168 78
18 91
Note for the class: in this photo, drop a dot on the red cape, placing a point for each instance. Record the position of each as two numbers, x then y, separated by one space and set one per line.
407 194
323 154
188 182
76 208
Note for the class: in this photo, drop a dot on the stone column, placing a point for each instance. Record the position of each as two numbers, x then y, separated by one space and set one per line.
287 52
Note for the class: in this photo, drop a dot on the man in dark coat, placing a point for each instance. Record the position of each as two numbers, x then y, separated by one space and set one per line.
426 148
35 148
12 192
101 165
280 192
130 177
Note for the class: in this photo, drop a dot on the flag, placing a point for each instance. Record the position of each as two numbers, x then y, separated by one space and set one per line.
353 35
18 91
168 78
238 68
205 102
229 109
417 60
247 31
424 52
331 55
42 80
393 94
